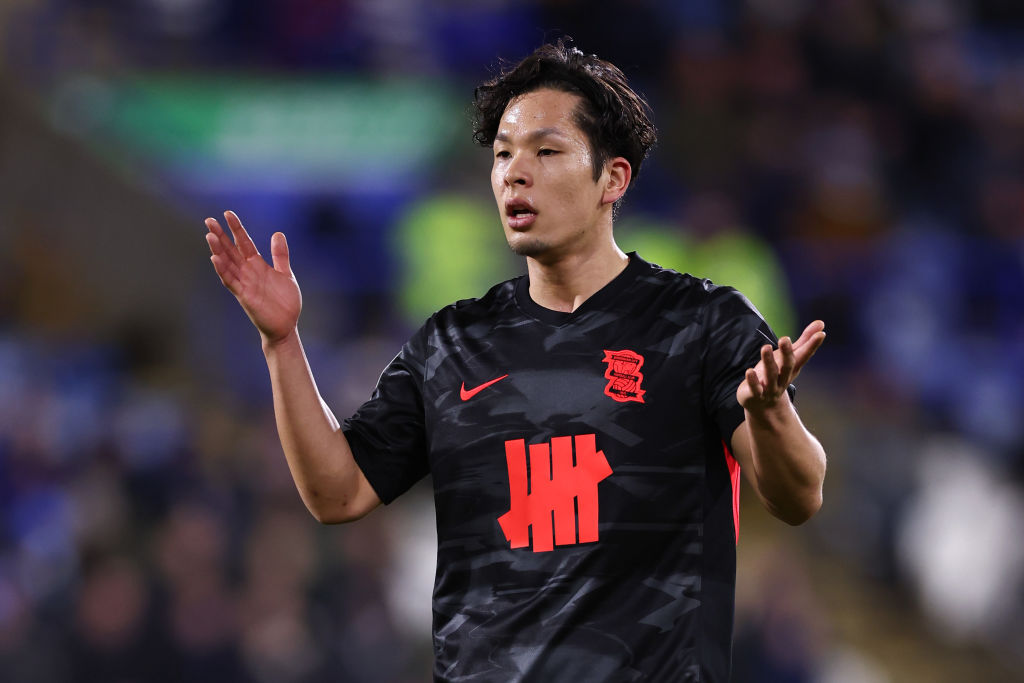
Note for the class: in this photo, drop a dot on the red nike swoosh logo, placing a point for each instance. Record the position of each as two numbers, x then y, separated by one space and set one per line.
467 394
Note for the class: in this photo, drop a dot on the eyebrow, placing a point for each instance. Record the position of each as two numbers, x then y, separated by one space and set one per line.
533 135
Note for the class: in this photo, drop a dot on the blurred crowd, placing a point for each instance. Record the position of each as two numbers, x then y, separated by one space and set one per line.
868 155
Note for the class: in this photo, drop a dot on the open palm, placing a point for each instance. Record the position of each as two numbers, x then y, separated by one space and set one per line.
765 383
270 296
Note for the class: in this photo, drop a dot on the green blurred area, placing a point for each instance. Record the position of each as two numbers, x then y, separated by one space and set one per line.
451 248
248 126
733 257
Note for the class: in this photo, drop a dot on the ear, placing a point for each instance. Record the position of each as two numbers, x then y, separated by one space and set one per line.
617 174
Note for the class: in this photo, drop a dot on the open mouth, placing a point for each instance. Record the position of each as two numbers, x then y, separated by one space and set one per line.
519 220
520 214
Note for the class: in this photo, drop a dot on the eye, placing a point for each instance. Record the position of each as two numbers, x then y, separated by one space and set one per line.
502 154
545 152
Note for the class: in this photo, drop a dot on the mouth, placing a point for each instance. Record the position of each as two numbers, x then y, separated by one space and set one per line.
520 214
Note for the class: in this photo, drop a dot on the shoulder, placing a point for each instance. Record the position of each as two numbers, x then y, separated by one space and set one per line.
455 323
715 309
467 312
691 290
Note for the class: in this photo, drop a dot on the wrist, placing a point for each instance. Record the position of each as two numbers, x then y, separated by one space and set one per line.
770 415
271 345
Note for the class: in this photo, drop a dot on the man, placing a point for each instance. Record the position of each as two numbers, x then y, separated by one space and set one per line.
580 423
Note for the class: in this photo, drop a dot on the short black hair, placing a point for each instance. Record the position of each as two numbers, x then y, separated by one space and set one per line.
615 119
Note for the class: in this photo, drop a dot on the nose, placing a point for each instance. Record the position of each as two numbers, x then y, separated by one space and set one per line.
516 173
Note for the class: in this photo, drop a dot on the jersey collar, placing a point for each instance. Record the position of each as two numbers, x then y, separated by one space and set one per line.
595 301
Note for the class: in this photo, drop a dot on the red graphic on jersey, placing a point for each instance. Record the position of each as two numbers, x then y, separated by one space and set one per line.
466 394
734 478
555 485
623 375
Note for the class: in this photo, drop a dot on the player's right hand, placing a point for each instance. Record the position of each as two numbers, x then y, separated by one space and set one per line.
269 296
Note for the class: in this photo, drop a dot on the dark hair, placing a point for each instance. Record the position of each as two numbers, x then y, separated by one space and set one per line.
615 119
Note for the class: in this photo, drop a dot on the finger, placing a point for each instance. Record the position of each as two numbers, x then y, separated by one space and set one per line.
804 353
220 243
788 361
279 253
226 271
213 225
756 390
771 369
216 247
242 239
812 329
225 266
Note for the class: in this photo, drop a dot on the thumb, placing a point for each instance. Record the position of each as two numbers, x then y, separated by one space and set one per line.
279 253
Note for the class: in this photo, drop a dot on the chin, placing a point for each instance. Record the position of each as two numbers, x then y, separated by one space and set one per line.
523 245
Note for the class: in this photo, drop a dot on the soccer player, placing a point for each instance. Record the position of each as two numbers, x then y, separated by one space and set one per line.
584 424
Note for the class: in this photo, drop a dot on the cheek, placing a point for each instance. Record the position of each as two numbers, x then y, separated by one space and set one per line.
579 188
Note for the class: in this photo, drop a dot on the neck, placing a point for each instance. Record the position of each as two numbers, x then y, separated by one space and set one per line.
563 284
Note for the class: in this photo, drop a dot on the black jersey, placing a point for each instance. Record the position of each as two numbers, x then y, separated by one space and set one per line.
585 495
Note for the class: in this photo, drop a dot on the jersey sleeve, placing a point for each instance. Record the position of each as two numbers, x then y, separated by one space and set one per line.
387 434
735 334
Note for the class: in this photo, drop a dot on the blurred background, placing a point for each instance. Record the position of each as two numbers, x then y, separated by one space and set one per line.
859 161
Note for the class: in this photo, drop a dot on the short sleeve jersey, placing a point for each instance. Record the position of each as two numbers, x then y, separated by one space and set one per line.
584 492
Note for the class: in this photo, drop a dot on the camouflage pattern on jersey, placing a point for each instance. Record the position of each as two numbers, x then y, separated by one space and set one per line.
583 495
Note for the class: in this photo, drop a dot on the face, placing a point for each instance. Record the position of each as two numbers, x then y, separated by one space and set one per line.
543 180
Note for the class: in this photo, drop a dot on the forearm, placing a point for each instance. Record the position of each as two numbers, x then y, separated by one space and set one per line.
788 462
319 457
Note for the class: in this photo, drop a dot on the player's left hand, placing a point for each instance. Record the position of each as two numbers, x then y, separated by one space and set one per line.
766 383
